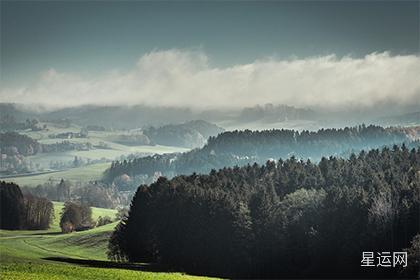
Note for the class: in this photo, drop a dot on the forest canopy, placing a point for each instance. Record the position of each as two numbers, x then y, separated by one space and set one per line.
246 147
290 218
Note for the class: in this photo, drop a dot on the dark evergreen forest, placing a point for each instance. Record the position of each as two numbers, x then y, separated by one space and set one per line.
18 211
286 218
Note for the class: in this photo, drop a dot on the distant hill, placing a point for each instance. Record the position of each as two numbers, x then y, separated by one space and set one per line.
407 119
256 118
15 111
247 147
191 134
128 117
275 113
147 125
117 117
121 117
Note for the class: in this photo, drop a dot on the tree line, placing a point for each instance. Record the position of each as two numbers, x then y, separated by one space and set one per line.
95 194
12 143
289 218
243 147
23 212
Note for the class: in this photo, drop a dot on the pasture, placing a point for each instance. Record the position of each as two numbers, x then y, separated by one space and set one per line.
49 254
80 174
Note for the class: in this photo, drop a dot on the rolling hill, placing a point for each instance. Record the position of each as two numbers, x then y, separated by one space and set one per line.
80 255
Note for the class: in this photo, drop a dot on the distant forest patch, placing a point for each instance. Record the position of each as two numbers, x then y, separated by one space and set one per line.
243 147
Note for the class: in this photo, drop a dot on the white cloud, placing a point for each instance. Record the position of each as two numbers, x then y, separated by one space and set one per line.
183 78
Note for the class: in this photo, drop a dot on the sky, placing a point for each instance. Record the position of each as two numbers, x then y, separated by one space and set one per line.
204 54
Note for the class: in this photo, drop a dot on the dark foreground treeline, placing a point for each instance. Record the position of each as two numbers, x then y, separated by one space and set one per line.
283 219
18 211
24 211
243 147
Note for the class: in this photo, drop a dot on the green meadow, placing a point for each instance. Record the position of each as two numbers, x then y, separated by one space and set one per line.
83 174
49 254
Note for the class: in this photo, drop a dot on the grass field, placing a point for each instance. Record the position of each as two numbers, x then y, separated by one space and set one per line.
113 152
96 212
85 173
81 255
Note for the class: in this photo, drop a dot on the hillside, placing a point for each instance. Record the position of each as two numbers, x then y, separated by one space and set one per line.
51 255
191 134
246 147
315 219
80 174
407 119
116 117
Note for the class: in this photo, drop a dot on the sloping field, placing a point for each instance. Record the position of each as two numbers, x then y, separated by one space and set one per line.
86 173
81 255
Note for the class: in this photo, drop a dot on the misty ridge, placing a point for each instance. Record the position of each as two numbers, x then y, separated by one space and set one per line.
256 117
234 149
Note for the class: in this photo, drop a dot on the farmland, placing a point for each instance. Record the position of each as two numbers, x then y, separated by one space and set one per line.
84 173
104 149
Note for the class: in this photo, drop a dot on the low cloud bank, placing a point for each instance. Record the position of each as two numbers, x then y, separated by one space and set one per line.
186 79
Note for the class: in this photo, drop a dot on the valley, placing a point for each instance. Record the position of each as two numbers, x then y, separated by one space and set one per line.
178 140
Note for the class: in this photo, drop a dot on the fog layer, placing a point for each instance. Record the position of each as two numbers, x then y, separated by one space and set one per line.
187 79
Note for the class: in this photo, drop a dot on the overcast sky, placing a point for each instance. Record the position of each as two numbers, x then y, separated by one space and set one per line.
331 53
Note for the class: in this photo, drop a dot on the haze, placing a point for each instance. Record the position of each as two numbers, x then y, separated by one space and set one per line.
328 55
